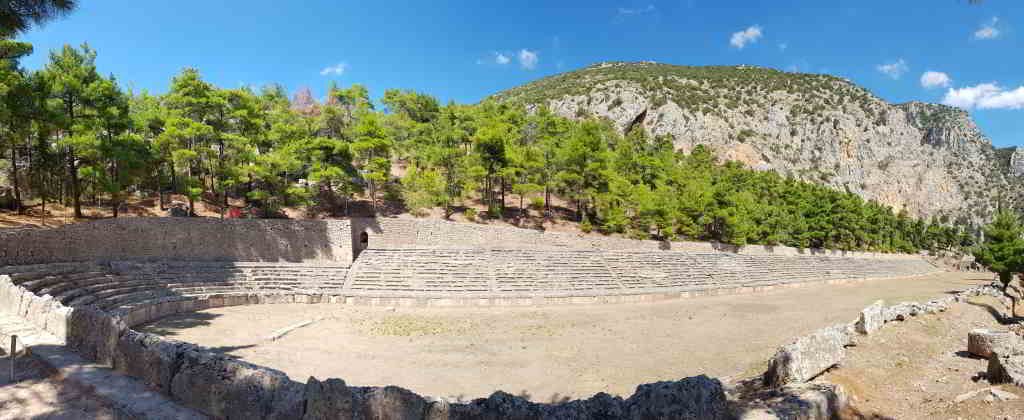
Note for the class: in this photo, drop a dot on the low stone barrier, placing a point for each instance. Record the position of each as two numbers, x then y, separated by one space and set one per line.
41 311
226 388
222 387
808 356
811 355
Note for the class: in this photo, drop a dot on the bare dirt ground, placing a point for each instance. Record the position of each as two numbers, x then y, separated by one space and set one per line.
544 353
917 369
562 217
37 394
57 215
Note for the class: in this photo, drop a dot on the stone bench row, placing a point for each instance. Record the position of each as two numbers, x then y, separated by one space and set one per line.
438 273
545 271
116 285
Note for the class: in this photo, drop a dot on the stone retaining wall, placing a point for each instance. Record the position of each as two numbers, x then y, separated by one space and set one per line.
406 233
308 241
313 241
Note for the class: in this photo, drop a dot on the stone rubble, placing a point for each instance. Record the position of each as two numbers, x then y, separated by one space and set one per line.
809 356
871 318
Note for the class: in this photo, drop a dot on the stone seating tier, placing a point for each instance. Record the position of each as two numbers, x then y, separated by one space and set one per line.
445 274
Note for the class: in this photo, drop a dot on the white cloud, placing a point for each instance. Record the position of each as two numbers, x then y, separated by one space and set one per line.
988 30
895 70
747 36
985 96
932 79
501 58
636 11
528 59
336 70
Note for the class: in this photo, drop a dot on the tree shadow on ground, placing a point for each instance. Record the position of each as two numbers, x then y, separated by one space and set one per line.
752 397
36 392
227 350
854 414
172 325
997 314
968 355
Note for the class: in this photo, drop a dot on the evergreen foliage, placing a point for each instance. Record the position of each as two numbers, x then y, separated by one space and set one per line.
72 134
1003 249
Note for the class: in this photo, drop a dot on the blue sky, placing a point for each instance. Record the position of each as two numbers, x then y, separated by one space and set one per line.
464 51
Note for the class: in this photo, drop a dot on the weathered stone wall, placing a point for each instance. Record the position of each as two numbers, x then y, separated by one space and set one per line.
809 356
223 387
43 312
314 241
399 233
308 241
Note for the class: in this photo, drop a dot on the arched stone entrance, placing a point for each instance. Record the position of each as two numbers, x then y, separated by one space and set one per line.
362 243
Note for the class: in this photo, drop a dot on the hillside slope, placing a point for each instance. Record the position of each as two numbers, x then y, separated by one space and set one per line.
931 160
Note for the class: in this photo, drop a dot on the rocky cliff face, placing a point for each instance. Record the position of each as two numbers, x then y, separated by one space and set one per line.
928 159
1017 162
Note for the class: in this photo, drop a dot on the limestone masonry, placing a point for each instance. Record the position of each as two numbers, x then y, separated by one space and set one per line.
88 284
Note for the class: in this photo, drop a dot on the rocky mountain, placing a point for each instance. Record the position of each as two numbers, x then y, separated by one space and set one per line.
1017 162
931 160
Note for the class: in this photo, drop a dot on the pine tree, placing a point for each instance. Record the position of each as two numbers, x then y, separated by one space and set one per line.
18 16
70 74
1003 249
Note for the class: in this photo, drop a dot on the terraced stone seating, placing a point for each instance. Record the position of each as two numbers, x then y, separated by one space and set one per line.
460 275
125 285
518 273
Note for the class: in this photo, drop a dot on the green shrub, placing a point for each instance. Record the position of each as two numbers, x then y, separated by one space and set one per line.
586 226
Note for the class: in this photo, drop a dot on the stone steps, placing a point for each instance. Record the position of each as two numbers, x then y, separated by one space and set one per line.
548 272
447 273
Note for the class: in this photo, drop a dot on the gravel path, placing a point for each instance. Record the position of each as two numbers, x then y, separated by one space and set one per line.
544 353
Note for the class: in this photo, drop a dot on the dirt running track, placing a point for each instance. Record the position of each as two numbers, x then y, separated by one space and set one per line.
544 353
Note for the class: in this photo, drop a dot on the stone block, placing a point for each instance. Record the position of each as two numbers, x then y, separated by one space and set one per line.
500 405
94 334
328 400
983 342
390 402
37 310
225 388
1006 368
600 406
698 397
902 311
810 400
871 318
57 321
808 356
150 358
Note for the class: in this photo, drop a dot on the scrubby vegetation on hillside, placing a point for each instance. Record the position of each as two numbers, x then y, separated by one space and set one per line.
704 89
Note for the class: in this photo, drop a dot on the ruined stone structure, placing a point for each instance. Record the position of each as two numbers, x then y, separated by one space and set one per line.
88 284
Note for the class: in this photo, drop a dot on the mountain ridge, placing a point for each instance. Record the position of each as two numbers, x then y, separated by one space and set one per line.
929 159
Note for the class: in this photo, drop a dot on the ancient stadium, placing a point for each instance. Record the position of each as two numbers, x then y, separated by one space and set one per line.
412 318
